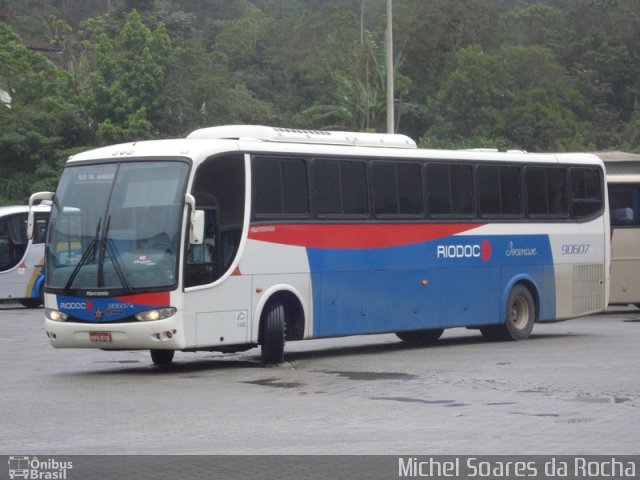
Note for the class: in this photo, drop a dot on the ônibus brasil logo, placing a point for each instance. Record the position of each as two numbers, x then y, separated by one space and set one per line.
38 469
480 250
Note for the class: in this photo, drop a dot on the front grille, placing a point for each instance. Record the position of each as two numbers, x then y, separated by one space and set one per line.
71 319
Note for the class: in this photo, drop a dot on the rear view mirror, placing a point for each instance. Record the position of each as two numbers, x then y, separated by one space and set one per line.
30 219
196 222
196 233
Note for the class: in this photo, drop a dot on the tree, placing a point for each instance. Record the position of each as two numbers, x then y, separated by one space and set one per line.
472 97
598 43
356 61
42 123
129 96
519 97
547 112
549 75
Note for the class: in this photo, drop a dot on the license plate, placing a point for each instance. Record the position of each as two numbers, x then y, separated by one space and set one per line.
100 337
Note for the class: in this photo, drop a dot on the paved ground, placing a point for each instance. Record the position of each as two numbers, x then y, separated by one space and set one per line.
573 388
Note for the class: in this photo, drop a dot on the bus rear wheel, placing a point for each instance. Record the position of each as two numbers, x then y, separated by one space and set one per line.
162 358
273 334
520 317
421 336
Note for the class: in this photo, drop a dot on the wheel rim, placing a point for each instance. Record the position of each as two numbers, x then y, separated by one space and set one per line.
519 313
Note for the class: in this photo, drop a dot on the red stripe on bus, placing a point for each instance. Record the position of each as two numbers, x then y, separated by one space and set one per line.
157 299
351 236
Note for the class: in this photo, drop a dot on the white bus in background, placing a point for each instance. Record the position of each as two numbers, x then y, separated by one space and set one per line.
623 179
21 259
242 236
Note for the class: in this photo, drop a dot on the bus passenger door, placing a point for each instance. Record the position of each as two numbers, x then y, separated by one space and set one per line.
218 312
625 262
625 245
217 295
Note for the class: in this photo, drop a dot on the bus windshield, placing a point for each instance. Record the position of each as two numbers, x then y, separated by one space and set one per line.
116 227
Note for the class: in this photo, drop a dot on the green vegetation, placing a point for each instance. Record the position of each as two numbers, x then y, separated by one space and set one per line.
546 75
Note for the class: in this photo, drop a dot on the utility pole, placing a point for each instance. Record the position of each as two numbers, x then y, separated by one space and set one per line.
390 114
362 22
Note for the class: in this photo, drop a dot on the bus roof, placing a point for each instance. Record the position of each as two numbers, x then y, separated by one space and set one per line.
295 135
206 142
618 157
13 209
621 166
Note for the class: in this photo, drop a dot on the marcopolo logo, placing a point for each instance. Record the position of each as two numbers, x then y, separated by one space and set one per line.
38 469
480 250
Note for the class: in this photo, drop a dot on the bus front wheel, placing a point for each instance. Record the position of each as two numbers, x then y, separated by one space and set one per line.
273 331
521 316
162 358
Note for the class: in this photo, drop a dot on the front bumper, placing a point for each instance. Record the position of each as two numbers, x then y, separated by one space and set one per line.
159 334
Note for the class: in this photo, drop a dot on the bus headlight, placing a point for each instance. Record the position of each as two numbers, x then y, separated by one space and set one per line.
55 315
157 314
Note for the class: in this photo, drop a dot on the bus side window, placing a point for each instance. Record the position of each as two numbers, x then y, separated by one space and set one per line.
5 256
623 216
13 240
624 201
201 262
586 191
450 189
230 244
546 192
41 229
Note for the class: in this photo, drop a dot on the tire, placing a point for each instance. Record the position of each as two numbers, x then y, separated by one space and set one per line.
30 302
273 334
34 302
520 317
421 336
162 358
493 332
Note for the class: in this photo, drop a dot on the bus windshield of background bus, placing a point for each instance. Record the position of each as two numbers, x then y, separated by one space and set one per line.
116 226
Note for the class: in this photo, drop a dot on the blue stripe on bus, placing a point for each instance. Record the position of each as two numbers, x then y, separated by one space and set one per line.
449 282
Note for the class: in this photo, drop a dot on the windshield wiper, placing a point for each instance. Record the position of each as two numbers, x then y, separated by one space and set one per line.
85 257
107 245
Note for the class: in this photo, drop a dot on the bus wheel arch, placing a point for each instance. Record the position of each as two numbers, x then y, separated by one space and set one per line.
520 313
37 298
40 288
282 319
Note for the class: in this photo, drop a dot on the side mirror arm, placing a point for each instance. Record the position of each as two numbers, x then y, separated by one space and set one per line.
30 218
196 221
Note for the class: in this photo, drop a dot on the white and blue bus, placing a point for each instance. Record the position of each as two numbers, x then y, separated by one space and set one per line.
22 259
241 236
